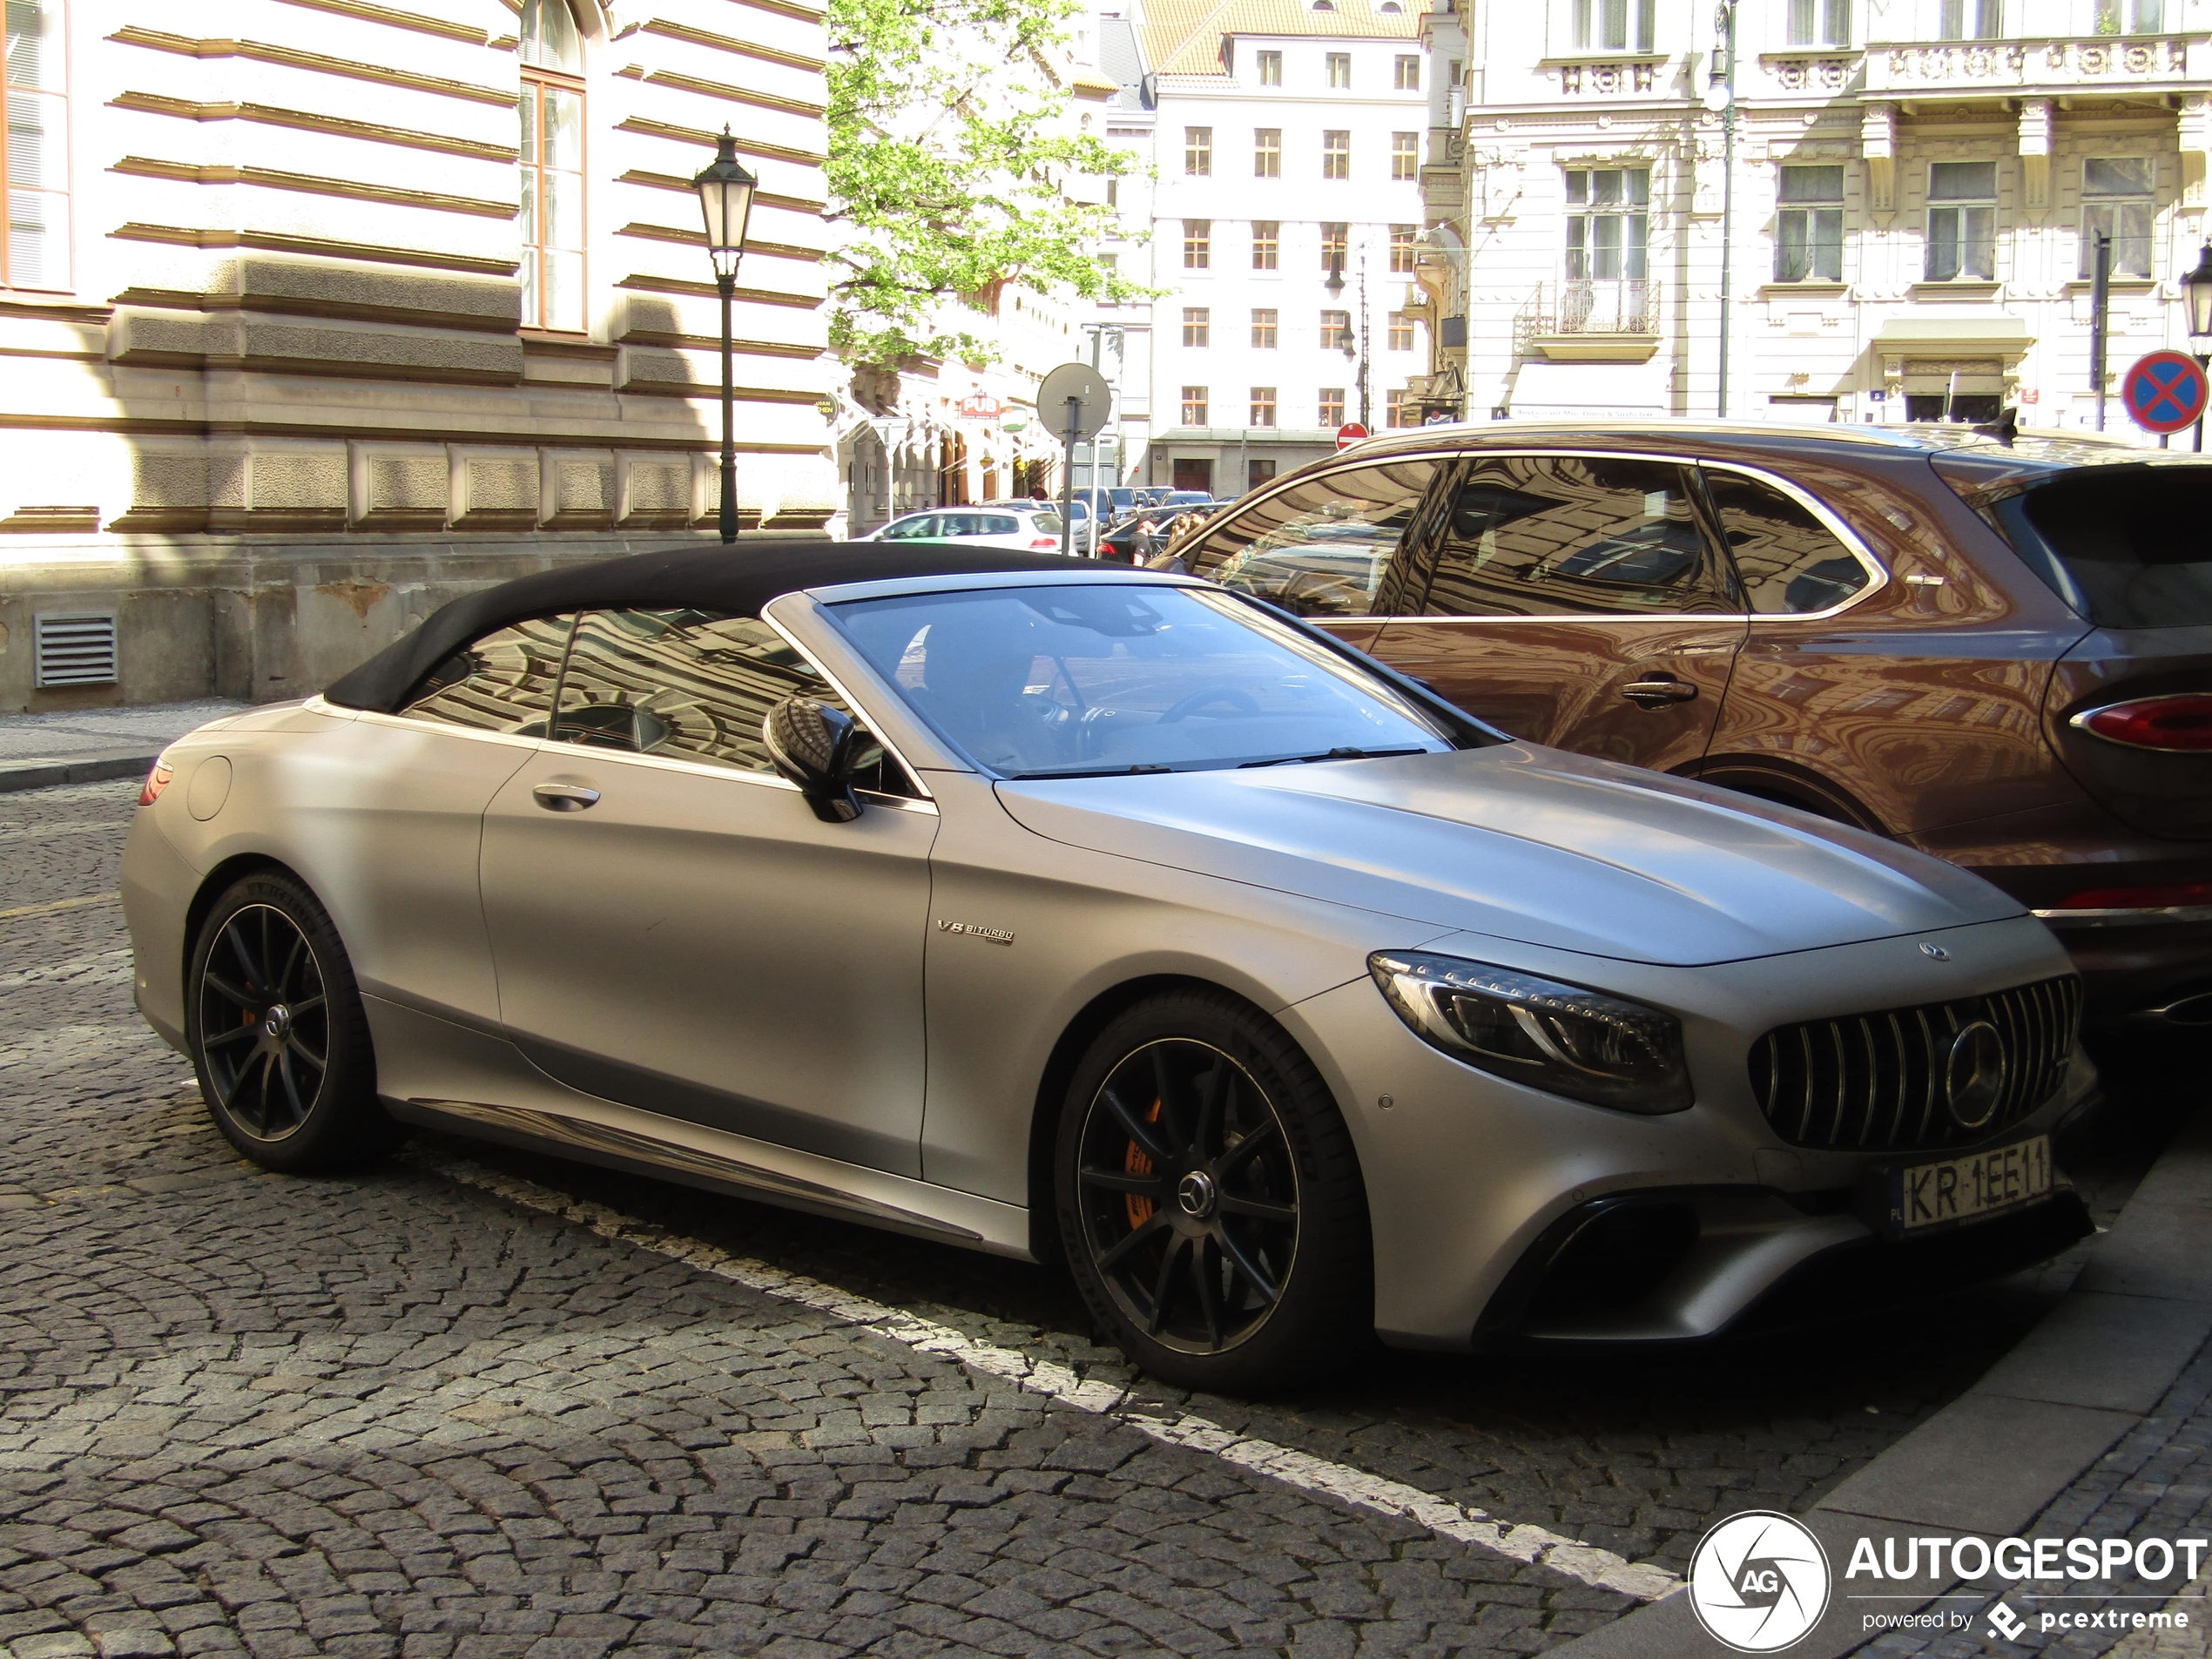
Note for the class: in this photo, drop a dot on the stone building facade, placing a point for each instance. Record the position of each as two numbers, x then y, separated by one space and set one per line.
1916 191
316 312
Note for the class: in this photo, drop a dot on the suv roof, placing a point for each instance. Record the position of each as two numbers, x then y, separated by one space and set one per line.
2071 449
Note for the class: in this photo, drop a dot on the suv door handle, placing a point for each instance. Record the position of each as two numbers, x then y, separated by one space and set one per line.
1658 692
564 798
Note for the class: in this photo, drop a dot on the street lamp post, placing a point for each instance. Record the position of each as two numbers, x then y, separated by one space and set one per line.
2197 289
1723 76
725 200
1358 355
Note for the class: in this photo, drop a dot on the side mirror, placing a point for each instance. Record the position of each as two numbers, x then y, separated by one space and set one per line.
813 744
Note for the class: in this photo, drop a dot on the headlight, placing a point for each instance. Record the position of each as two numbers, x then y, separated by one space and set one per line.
1561 1038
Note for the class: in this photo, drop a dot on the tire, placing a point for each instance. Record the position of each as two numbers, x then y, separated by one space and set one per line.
277 1034
1209 1200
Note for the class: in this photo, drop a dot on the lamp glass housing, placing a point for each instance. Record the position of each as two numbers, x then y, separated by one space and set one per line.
2197 288
725 203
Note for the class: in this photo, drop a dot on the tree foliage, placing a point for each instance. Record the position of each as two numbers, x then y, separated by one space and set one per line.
951 155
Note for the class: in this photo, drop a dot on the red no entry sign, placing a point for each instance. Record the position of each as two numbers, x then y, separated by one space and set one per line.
2164 392
1350 432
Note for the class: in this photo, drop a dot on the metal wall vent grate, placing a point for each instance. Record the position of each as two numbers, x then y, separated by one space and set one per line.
74 648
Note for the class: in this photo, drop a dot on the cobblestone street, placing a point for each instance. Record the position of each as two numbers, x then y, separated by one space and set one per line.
427 1410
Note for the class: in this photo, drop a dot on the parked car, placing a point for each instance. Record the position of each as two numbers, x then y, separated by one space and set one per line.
1997 653
1282 1000
1029 526
1120 542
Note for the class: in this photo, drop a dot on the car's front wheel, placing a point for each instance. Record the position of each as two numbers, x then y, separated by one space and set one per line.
277 1032
1210 1199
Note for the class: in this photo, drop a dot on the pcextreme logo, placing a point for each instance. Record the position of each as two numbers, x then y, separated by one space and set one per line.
1759 1582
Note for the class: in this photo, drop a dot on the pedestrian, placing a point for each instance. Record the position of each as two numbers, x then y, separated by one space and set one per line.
1140 543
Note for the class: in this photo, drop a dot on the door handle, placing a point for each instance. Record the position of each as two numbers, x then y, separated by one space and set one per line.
1658 692
564 798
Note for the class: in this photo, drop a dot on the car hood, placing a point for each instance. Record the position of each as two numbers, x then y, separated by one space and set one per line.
1527 844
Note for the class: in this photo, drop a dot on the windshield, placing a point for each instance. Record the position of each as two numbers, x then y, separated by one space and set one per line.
2126 546
1090 680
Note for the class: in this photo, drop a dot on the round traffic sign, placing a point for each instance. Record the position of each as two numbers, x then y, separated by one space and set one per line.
1076 384
2164 391
1350 433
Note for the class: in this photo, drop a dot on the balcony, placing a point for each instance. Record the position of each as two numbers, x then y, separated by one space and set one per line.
1591 320
2097 64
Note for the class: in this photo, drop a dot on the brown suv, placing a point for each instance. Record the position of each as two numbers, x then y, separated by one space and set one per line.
1998 652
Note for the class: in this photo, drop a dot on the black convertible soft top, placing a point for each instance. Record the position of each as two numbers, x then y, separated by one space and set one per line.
737 581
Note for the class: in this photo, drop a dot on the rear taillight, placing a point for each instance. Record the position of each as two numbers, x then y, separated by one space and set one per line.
2166 896
1046 541
2179 724
156 780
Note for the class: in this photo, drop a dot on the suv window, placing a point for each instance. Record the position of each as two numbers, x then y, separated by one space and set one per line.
1787 560
2123 545
691 685
503 683
1321 548
1550 535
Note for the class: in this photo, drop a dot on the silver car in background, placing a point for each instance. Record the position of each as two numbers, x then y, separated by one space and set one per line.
1103 915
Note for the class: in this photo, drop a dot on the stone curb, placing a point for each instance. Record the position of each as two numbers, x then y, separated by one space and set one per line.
77 769
1997 1456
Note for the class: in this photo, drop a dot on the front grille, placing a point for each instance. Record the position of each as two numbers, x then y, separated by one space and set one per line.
1876 1080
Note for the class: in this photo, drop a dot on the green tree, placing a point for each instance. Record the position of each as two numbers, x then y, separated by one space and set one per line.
949 147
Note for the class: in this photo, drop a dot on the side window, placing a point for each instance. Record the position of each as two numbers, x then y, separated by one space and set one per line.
1552 536
503 683
1788 560
998 524
912 529
1323 548
691 685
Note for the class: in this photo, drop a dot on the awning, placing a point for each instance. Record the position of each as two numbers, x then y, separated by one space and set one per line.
1570 391
1957 336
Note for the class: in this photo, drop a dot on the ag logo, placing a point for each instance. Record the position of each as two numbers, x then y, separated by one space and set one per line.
1758 1581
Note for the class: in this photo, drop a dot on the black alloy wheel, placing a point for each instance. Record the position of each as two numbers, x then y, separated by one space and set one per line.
1209 1200
276 1031
1190 1195
264 1021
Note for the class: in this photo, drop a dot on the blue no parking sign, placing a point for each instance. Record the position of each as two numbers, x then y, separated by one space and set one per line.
2164 392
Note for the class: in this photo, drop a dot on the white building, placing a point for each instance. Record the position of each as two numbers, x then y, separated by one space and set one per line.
1287 137
1916 191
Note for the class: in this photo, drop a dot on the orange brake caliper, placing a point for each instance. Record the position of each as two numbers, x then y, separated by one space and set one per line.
1140 1208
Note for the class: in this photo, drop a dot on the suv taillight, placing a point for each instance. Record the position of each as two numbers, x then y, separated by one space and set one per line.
2169 895
2181 724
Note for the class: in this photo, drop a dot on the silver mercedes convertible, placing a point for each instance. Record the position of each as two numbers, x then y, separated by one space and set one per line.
1079 914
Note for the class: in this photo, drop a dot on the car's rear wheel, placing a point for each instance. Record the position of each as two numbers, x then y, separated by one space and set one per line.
277 1034
1210 1199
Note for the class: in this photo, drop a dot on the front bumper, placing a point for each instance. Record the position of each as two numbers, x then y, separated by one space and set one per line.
1468 1175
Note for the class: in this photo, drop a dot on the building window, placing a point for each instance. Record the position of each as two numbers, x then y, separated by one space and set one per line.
1258 473
1409 73
2116 202
1267 152
1339 69
552 167
1263 330
1808 231
1197 329
1197 152
1109 263
2142 17
1336 331
1336 154
1404 155
1194 406
1401 249
1271 69
1962 219
1973 19
1197 244
1397 411
1402 332
1819 23
1336 235
1267 242
1616 25
1333 406
1608 211
34 169
1114 193
1263 406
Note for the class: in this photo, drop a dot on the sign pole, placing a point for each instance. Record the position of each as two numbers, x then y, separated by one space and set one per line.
2099 310
1068 478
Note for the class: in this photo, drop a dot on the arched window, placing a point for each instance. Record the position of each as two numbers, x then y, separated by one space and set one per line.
553 273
